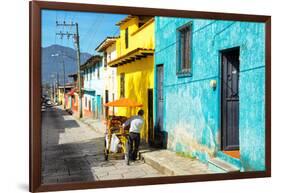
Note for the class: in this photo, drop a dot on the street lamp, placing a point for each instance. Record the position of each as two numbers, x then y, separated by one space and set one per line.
63 65
53 86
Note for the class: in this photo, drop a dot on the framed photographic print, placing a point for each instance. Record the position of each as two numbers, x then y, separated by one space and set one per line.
123 96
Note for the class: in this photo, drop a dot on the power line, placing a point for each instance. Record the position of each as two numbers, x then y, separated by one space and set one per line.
90 29
75 37
95 32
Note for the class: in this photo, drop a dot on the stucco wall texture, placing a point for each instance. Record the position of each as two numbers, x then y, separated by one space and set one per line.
138 78
192 115
139 74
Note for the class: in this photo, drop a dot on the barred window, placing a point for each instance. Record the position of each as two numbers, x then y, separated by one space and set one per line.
122 85
184 50
98 69
105 59
126 37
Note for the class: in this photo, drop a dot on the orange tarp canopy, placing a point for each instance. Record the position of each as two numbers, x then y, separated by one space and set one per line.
124 102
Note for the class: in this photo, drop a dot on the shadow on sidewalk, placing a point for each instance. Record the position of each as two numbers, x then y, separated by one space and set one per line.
67 162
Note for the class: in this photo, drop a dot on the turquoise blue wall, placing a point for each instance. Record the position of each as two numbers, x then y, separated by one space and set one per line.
192 107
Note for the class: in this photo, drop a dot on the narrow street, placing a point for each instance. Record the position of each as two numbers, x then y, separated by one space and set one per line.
73 151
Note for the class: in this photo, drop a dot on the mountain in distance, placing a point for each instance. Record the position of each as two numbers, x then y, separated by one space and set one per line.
52 63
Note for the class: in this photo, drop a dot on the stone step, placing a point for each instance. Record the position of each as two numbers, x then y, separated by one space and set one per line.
157 164
169 163
219 165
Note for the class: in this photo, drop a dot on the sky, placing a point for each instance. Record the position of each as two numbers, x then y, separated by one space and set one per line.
93 28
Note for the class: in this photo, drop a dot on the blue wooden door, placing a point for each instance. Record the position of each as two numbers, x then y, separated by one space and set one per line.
98 106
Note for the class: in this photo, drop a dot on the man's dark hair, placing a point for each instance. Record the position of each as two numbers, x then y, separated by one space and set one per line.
140 112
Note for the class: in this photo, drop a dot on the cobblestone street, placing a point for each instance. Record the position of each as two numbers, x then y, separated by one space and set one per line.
73 151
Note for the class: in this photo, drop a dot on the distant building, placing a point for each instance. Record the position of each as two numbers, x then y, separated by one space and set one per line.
93 86
134 63
108 49
210 89
73 95
62 97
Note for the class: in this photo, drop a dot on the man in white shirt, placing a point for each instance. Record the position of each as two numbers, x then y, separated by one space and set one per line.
136 124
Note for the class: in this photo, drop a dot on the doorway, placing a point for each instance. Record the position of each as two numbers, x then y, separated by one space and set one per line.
160 98
160 136
106 101
150 116
98 106
230 99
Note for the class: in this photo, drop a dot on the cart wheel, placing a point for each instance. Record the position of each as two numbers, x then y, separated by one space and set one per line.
105 151
105 156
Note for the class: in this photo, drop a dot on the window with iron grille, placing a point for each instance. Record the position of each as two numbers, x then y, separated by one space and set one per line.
122 85
184 49
126 37
98 66
105 59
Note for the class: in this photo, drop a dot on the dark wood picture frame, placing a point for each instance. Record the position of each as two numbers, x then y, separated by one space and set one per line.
35 91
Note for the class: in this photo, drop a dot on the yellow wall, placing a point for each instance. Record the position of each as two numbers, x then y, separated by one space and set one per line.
61 96
139 75
138 78
144 38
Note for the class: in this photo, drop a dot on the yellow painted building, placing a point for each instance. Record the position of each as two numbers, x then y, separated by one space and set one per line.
134 62
60 94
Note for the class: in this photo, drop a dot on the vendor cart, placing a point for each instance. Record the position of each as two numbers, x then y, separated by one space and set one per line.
116 137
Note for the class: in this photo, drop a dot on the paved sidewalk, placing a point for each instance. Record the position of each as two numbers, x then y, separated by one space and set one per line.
159 162
73 152
173 164
117 169
96 124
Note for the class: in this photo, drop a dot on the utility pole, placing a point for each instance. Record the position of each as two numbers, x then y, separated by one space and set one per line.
78 67
63 66
57 81
76 41
57 88
53 86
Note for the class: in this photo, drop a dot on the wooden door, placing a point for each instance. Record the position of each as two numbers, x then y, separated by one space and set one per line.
230 99
98 106
150 115
160 98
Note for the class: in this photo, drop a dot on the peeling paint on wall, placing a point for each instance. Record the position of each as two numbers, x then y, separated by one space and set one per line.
181 140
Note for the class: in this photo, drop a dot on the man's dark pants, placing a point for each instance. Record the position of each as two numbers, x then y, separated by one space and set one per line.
134 142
